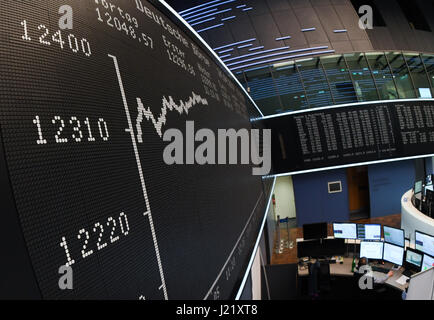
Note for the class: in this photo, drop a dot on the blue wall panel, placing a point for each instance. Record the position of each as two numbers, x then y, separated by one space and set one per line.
387 183
314 203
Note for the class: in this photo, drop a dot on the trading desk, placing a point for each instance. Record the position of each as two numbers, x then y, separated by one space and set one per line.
344 270
412 219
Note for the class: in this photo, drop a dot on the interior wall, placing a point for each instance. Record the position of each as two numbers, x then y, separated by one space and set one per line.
387 183
271 230
285 200
313 202
397 34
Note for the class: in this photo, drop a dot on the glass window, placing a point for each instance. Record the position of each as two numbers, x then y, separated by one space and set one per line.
428 60
362 77
289 86
402 77
418 74
315 83
262 89
339 78
240 78
382 75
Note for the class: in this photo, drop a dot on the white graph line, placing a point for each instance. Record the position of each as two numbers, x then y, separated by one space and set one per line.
234 248
142 180
168 105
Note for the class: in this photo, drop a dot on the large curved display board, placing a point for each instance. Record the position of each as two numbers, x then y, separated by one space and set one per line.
349 135
82 116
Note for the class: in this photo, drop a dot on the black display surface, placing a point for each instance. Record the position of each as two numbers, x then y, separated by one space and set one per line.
353 134
82 115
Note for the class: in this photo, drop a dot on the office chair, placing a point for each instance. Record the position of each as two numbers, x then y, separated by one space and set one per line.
377 292
319 278
324 277
314 270
358 292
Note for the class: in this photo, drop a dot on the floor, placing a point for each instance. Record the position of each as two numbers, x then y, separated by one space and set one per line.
289 255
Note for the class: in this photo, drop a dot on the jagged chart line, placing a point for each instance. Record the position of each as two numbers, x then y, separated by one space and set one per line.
167 105
148 212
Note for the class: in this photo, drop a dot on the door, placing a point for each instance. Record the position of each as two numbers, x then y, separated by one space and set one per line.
358 192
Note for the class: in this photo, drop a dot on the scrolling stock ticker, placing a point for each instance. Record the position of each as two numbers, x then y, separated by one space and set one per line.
348 135
81 118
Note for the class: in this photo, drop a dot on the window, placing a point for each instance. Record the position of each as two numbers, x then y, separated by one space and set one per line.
262 89
420 78
428 60
382 75
339 78
414 15
401 74
377 17
315 83
363 82
290 88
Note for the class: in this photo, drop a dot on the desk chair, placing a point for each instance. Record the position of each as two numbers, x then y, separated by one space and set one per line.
377 291
313 281
324 277
319 278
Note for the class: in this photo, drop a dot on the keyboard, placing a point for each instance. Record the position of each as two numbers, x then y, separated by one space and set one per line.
407 273
380 269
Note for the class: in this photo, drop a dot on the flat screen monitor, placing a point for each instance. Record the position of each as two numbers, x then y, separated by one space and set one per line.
310 248
371 250
394 236
393 254
332 247
425 243
427 262
320 248
428 179
418 187
345 230
413 259
369 231
315 231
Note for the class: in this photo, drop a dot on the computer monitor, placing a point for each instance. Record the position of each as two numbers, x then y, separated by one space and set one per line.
394 254
371 250
315 231
394 236
427 262
369 231
345 230
418 187
413 260
333 247
428 179
310 248
425 243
